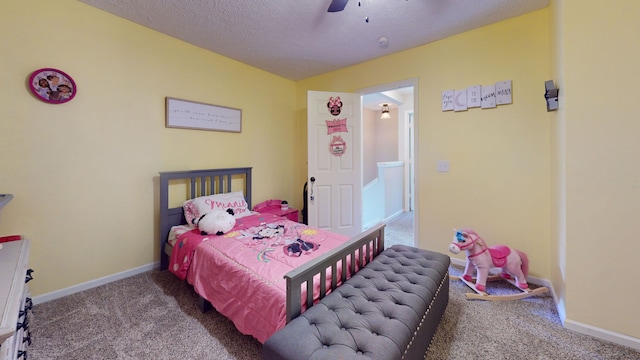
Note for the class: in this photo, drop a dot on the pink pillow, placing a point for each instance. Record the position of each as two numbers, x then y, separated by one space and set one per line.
197 207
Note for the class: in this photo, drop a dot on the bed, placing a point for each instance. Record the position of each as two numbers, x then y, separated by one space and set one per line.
259 283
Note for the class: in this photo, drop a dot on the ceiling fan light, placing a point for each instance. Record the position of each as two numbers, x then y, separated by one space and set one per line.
385 112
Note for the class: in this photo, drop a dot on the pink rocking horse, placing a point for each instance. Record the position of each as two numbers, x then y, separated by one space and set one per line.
513 263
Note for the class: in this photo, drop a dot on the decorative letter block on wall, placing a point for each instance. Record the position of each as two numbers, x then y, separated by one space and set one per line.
473 96
485 97
488 96
503 92
460 100
447 100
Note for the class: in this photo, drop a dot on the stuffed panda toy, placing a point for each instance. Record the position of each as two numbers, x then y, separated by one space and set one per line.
217 222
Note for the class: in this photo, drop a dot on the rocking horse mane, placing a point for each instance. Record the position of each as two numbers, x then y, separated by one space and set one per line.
469 231
472 232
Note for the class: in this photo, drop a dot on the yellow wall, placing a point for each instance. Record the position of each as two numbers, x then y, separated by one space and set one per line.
600 66
84 173
558 163
499 182
561 186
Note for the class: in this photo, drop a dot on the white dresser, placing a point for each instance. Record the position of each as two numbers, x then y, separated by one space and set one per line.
15 304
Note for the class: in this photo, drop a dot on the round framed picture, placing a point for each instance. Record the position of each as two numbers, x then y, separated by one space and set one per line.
52 85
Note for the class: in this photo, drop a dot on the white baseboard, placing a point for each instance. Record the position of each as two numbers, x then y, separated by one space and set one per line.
377 221
603 334
94 283
371 224
393 216
576 326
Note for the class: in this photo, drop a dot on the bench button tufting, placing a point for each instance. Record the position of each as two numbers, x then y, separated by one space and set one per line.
386 291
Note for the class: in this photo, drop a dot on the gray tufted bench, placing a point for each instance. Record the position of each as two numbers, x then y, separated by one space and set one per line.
390 309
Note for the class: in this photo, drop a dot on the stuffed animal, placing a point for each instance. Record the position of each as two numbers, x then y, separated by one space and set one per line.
217 222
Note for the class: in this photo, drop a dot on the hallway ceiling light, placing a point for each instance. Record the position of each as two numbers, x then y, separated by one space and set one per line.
385 112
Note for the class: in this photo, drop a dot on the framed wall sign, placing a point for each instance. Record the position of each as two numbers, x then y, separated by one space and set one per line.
194 115
52 85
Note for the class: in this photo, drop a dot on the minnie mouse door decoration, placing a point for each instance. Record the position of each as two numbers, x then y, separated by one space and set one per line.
334 105
337 145
52 85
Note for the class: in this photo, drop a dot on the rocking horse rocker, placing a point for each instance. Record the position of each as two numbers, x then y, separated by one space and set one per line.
513 264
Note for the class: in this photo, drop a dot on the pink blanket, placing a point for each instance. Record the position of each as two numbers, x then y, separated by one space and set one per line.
241 273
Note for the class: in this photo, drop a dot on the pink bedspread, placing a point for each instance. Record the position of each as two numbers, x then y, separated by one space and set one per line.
241 273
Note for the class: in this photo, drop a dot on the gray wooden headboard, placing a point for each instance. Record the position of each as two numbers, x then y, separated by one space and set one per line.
198 183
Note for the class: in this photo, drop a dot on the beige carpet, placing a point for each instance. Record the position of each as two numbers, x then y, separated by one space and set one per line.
154 316
399 230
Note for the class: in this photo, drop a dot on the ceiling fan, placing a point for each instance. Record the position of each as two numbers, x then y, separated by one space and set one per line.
337 5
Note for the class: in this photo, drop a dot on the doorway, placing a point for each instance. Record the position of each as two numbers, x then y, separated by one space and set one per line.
401 98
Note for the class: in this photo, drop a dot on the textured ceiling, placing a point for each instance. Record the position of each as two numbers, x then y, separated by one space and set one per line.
297 39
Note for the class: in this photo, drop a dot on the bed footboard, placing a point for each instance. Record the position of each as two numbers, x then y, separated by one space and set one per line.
364 248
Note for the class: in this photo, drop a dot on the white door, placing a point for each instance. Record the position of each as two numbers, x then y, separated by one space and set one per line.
334 166
409 163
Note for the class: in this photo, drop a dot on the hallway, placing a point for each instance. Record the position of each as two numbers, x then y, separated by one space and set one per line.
399 230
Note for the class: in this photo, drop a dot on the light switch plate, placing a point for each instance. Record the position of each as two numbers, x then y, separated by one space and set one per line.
443 165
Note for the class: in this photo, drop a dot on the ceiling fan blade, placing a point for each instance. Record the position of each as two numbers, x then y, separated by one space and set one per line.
337 5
